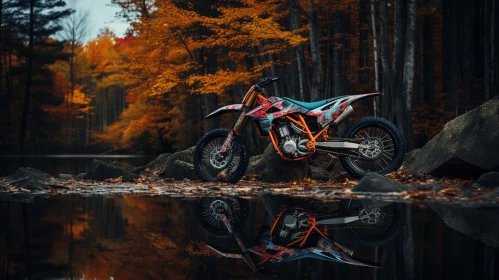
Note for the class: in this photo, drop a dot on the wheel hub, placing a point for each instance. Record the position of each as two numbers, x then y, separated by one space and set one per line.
371 148
219 160
371 217
218 207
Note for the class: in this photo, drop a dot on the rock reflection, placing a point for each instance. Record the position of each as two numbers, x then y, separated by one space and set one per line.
153 237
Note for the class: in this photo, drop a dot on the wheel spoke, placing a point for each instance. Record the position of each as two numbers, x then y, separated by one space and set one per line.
214 164
376 149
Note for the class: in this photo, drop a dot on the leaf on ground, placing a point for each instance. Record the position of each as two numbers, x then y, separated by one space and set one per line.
450 191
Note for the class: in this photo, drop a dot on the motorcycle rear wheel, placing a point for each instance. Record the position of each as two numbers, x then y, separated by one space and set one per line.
371 232
211 166
385 147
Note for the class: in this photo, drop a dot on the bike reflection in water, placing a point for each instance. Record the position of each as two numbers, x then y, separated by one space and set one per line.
300 232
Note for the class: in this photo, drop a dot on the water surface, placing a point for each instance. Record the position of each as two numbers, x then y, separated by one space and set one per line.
158 237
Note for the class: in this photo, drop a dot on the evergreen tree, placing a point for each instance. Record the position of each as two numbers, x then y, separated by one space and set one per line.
35 22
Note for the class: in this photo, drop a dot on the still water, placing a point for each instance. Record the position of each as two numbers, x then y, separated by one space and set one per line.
156 237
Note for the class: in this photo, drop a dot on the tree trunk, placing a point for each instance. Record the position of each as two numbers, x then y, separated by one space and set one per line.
3 63
211 99
398 100
486 49
72 89
409 260
493 78
453 57
422 54
87 129
375 54
8 89
292 76
467 43
385 60
315 53
338 82
429 91
327 74
274 72
409 66
29 74
294 24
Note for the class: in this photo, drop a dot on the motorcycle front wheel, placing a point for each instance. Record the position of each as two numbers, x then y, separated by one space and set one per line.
213 166
208 212
381 147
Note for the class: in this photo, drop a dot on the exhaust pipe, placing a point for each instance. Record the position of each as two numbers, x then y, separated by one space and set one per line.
346 113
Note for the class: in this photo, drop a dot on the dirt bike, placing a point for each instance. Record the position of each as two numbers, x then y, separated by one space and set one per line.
298 130
298 232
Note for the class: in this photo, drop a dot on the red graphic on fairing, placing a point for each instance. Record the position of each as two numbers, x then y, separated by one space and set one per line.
328 111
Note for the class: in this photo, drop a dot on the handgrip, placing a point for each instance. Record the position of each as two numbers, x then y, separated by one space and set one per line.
268 80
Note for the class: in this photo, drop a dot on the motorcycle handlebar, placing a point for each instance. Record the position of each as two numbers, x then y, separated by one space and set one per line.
268 80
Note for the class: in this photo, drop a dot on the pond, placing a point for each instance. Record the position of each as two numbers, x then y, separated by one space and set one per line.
65 164
160 237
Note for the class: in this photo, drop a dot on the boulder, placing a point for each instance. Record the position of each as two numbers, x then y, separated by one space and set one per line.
3 186
178 166
30 179
373 182
466 147
123 166
410 157
31 174
323 167
488 180
270 167
100 170
65 177
180 170
479 223
155 164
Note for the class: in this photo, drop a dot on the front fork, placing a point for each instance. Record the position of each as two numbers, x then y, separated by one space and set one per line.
245 253
242 120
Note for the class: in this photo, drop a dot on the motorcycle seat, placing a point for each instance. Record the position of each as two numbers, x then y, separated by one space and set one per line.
307 105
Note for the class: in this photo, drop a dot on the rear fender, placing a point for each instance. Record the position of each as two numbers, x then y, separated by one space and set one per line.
355 98
224 110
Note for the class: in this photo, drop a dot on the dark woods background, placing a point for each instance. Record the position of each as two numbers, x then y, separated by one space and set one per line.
149 91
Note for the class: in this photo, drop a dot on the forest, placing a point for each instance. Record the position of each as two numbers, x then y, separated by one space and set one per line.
148 91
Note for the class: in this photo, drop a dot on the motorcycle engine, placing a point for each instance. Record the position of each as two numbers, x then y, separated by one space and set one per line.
292 139
292 225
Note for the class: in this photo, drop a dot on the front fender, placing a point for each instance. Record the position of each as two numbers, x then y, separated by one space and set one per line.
225 109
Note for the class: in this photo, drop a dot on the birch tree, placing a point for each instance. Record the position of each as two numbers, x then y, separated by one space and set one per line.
375 54
409 66
76 28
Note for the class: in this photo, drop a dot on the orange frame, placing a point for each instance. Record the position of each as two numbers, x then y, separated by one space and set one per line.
312 225
311 144
301 123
